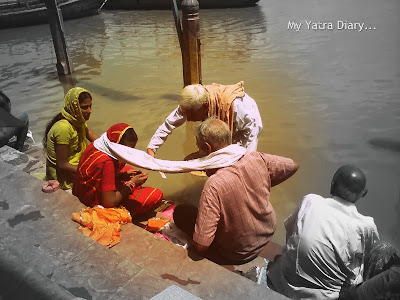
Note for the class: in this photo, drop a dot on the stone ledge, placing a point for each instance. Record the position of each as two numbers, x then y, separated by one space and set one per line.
19 281
37 229
32 161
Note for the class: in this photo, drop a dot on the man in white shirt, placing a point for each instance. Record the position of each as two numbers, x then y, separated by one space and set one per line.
326 241
229 103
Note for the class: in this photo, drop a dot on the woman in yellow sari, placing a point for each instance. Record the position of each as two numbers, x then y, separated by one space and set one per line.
65 137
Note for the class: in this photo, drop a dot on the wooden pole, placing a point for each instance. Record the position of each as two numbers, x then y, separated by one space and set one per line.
191 57
68 81
63 65
178 26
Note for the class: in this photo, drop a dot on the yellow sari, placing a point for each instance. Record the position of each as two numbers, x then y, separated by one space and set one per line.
70 131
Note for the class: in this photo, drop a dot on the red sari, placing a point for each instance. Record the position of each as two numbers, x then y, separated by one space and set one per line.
97 172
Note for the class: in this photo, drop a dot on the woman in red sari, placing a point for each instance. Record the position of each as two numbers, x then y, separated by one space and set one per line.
102 180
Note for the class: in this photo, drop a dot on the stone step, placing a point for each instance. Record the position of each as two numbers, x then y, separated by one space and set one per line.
36 152
45 254
32 161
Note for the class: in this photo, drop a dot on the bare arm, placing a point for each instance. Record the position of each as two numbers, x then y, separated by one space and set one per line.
62 159
114 198
151 152
90 135
200 248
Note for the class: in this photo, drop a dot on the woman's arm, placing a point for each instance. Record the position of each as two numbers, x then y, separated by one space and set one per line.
90 135
62 159
114 198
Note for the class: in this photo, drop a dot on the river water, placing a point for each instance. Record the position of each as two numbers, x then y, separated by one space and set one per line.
326 97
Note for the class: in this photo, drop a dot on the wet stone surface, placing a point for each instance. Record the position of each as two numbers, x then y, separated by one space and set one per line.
23 161
4 205
32 216
38 237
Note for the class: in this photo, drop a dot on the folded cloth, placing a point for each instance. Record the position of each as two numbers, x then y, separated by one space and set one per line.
102 224
219 159
155 224
168 213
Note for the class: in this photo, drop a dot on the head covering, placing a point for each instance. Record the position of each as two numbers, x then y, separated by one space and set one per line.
73 113
116 131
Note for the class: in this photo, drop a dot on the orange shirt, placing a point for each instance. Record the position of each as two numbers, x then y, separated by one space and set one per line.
235 216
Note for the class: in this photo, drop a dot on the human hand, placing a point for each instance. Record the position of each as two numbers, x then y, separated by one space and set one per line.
139 179
151 152
127 175
133 172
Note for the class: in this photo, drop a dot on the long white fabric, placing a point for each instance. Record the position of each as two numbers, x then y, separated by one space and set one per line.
327 239
219 159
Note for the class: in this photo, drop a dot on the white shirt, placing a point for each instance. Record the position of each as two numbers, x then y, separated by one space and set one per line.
327 239
247 125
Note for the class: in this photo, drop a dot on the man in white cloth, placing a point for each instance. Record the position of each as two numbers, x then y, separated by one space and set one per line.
229 103
326 241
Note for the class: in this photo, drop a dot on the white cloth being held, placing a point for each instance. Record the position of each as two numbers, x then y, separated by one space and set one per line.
219 159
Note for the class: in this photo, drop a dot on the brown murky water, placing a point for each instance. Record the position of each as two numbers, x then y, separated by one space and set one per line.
327 97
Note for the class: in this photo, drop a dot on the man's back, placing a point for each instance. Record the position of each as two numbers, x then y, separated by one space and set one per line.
326 242
234 211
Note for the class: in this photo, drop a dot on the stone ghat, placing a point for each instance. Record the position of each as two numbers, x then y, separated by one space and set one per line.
43 256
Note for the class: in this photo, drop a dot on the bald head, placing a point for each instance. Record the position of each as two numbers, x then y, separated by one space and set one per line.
213 133
349 183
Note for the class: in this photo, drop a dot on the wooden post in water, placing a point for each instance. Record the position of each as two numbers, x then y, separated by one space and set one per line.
63 65
191 56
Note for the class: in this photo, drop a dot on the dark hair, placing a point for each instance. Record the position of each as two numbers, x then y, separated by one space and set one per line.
59 116
129 136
